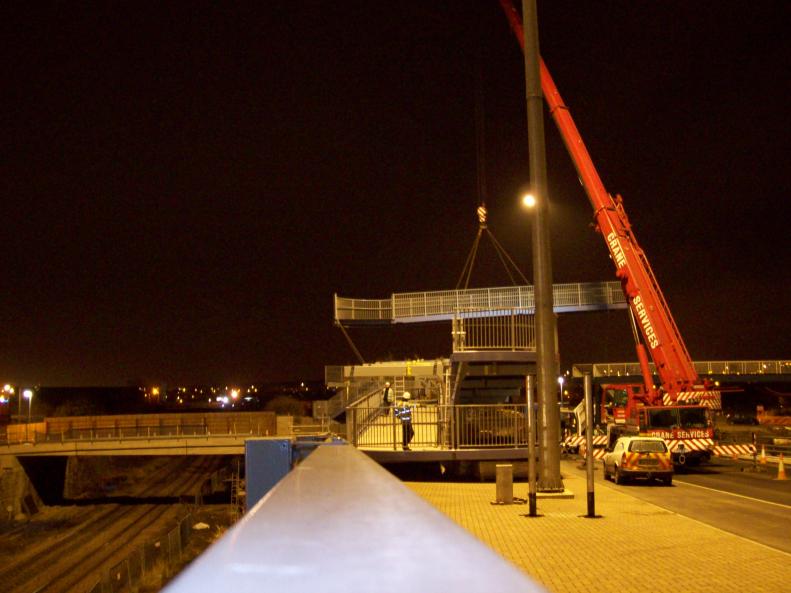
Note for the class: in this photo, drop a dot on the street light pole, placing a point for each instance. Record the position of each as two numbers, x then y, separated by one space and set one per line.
549 479
28 395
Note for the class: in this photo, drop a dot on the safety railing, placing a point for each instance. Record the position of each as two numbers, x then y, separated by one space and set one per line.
440 426
320 427
364 412
363 309
744 367
482 426
445 304
140 432
773 450
511 331
129 426
703 368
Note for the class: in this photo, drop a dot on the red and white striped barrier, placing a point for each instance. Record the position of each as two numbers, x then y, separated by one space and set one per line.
710 399
703 444
690 444
599 444
576 441
734 450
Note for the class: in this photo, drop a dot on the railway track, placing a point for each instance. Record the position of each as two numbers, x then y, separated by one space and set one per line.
62 563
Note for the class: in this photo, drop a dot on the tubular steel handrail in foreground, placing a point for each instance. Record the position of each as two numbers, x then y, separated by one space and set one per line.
411 307
340 523
441 426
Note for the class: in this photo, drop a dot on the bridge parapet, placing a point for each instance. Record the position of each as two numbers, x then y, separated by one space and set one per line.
128 426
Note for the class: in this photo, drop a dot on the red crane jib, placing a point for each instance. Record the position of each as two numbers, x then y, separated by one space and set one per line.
650 310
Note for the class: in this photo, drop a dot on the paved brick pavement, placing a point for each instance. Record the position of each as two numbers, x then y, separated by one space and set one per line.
636 547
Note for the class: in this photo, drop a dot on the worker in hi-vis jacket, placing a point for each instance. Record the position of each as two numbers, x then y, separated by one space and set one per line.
404 413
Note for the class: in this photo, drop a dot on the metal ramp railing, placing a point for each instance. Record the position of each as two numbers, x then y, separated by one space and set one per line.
475 426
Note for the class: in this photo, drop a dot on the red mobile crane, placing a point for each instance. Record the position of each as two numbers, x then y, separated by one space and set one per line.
653 326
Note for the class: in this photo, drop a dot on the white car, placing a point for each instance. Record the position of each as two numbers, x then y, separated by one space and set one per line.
639 457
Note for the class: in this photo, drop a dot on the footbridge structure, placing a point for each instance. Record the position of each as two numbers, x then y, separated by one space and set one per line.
446 305
715 370
469 406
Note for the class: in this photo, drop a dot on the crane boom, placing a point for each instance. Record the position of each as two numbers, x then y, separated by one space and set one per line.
650 312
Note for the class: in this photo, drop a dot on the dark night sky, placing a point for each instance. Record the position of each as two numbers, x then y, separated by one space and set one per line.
185 185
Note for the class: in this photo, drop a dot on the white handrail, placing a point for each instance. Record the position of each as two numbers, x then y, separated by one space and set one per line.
409 307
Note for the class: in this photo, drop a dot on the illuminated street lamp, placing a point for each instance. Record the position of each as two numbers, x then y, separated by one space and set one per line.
529 201
28 395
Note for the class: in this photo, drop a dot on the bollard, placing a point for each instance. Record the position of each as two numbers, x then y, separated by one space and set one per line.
587 384
531 448
505 483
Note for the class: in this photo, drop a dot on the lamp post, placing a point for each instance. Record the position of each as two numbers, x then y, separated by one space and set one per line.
28 395
549 479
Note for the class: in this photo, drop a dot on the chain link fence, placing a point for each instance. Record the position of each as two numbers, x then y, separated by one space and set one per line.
155 562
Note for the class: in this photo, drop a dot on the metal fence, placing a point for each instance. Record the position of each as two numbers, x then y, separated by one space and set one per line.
156 561
131 432
440 426
347 309
510 331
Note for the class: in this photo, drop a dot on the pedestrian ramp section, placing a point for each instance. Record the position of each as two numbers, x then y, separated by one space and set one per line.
384 430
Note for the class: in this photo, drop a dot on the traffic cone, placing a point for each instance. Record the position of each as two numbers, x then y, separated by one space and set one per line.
762 461
781 469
